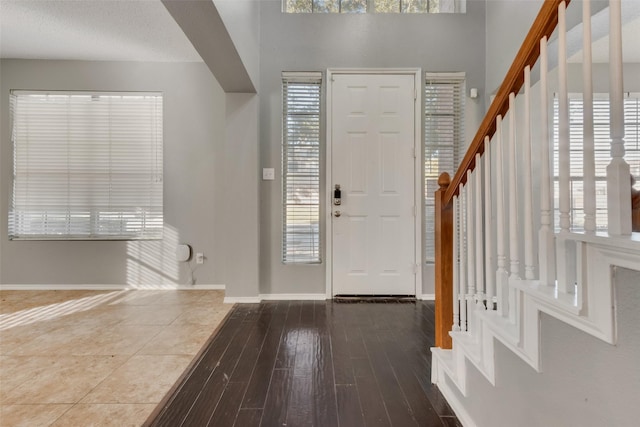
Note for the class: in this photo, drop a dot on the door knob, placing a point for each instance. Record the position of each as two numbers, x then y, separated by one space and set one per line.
337 214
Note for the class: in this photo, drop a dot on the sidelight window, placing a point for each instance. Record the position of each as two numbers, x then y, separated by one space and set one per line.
444 95
301 94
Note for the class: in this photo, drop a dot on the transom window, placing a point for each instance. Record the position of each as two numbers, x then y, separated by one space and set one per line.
374 6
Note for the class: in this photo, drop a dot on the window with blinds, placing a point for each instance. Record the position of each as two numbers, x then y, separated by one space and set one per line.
87 166
602 142
444 95
301 167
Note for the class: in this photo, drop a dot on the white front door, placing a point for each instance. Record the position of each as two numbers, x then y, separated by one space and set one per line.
373 161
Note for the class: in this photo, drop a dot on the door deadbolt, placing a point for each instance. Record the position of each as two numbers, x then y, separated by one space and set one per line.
337 196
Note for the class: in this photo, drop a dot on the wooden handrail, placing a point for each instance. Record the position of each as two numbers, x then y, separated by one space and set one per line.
544 25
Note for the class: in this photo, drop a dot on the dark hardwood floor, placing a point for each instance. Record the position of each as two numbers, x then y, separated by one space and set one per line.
313 363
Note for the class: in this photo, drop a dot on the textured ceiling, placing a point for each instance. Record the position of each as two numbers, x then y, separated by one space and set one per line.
102 30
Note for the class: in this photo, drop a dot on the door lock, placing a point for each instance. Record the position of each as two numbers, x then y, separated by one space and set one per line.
337 196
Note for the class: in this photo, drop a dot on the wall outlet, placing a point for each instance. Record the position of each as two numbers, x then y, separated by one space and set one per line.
199 258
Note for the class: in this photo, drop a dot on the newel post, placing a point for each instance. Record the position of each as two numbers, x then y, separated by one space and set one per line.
444 264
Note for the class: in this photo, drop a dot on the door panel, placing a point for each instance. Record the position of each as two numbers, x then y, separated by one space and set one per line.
373 160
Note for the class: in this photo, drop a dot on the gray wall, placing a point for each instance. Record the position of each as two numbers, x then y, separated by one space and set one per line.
584 381
194 131
303 42
242 20
239 205
507 24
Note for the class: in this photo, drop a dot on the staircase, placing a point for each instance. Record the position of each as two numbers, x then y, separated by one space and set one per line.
504 255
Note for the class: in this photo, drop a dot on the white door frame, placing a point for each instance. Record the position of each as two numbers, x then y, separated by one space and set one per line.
419 175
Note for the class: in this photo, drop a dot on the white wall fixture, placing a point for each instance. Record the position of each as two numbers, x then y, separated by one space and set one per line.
183 253
268 174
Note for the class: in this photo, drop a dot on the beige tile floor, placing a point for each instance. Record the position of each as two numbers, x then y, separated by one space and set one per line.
97 358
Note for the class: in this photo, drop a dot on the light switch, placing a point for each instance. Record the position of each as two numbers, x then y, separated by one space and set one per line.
268 174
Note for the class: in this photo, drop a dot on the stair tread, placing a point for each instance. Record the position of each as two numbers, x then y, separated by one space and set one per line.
549 294
501 325
469 344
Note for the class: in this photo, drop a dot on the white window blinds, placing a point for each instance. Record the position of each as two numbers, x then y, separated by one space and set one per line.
444 140
301 167
602 142
86 166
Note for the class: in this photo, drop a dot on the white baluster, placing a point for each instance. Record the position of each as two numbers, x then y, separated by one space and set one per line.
463 258
456 266
589 162
514 241
488 233
514 258
528 190
502 279
471 272
471 252
565 248
546 236
563 100
479 237
618 173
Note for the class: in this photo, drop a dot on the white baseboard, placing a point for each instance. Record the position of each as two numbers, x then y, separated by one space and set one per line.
286 297
275 297
85 287
209 287
427 297
241 300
